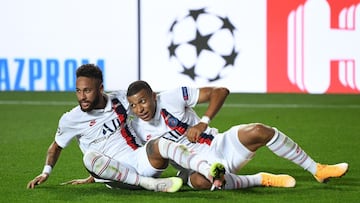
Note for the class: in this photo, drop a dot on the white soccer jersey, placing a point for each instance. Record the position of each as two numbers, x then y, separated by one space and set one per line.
99 129
174 114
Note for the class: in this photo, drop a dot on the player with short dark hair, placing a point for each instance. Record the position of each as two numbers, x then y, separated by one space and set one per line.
172 110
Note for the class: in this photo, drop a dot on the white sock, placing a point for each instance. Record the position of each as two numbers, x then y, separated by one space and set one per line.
234 181
182 156
110 169
285 147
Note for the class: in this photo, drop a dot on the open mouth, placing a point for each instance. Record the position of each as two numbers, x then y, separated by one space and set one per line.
85 105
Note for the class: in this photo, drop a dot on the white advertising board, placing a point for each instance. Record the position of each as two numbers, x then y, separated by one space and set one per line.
43 42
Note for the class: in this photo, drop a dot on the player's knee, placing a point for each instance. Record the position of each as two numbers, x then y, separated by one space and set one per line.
90 158
255 135
152 149
260 132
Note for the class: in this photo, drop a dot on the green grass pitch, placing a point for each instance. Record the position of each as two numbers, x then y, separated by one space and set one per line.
327 127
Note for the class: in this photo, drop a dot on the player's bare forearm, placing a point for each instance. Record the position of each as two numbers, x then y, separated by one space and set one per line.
215 96
53 154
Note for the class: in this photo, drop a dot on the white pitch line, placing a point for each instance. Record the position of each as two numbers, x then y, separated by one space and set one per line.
289 106
226 105
52 103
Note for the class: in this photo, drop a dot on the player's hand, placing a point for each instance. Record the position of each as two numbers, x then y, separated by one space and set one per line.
193 133
37 180
87 180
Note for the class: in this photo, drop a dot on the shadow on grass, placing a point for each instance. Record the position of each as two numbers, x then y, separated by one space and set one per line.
99 191
307 188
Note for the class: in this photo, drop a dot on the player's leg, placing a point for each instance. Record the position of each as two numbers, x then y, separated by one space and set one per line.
107 168
233 181
285 147
256 135
160 150
227 149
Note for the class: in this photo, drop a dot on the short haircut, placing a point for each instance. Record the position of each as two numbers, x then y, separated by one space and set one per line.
90 71
137 86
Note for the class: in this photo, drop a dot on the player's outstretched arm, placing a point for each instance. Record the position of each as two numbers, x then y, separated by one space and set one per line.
215 97
51 159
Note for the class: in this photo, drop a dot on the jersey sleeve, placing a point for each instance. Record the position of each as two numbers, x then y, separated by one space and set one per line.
190 95
64 133
180 97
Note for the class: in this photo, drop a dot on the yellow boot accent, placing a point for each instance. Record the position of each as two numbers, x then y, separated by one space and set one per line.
325 172
272 180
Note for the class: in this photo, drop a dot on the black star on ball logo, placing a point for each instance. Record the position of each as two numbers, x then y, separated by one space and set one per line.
199 42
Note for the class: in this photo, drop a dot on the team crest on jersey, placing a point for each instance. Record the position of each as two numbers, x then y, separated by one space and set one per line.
173 122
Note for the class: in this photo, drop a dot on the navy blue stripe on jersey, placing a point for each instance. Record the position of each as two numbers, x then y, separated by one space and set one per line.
185 93
174 134
119 109
180 128
124 128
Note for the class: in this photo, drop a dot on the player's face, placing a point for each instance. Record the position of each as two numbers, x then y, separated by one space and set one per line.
143 104
88 93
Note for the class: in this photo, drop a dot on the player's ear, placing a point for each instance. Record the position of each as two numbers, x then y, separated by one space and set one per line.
101 88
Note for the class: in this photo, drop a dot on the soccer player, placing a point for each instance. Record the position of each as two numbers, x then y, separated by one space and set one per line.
111 152
172 111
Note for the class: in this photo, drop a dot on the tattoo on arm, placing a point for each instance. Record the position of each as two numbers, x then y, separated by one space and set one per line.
150 147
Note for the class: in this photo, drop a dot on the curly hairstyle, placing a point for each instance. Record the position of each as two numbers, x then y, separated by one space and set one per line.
90 71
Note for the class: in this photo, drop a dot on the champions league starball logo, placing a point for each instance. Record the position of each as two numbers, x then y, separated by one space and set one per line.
203 45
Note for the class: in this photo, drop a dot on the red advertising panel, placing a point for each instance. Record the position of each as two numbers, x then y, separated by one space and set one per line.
313 46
